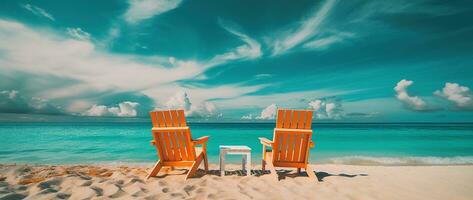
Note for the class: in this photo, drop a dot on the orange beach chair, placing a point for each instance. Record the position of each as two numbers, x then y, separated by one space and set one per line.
291 142
173 141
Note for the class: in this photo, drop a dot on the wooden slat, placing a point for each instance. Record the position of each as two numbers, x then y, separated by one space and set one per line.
160 118
182 117
175 121
158 145
175 147
302 118
154 119
287 119
304 148
297 148
283 148
162 144
167 119
189 146
182 145
275 147
167 145
290 146
308 120
294 119
280 118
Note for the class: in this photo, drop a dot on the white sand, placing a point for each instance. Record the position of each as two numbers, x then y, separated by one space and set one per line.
338 182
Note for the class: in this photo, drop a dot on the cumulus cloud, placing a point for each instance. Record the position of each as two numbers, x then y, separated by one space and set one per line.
78 33
12 101
327 108
460 95
182 101
144 9
124 109
268 112
306 30
247 117
411 102
38 11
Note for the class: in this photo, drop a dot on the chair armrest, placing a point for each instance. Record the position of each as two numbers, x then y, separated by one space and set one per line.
311 144
152 142
201 140
266 141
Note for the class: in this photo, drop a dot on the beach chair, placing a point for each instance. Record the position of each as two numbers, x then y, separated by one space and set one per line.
174 144
290 144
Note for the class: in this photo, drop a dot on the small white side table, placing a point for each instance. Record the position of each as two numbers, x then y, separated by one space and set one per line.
245 151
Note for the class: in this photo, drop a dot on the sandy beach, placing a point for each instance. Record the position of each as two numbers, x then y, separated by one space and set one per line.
336 182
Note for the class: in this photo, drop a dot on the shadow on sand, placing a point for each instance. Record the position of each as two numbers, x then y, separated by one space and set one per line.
281 173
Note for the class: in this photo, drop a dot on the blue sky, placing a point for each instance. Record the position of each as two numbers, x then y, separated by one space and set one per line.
385 61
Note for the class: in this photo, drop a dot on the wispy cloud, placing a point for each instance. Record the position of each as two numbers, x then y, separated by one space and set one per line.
91 71
144 9
306 30
38 11
250 50
325 42
78 33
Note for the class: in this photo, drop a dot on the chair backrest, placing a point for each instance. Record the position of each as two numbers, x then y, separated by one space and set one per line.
292 136
172 137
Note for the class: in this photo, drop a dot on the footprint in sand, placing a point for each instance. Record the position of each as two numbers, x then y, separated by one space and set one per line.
98 191
12 196
165 190
63 195
188 189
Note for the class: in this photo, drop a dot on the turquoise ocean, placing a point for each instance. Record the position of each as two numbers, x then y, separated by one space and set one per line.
126 143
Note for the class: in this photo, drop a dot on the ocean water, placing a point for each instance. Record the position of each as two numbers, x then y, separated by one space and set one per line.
118 143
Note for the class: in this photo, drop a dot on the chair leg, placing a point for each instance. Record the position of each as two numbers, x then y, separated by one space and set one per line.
206 163
194 166
298 170
263 166
155 169
269 162
310 173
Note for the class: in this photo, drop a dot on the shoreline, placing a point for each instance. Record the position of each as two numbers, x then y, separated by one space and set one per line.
336 182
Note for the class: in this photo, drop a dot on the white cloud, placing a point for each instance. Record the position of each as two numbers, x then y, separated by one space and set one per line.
38 11
78 33
144 9
307 29
411 102
250 50
91 71
12 101
247 117
181 100
269 112
323 43
327 108
124 109
460 95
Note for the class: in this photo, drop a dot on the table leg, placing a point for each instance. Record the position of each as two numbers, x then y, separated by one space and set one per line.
222 163
248 167
243 163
